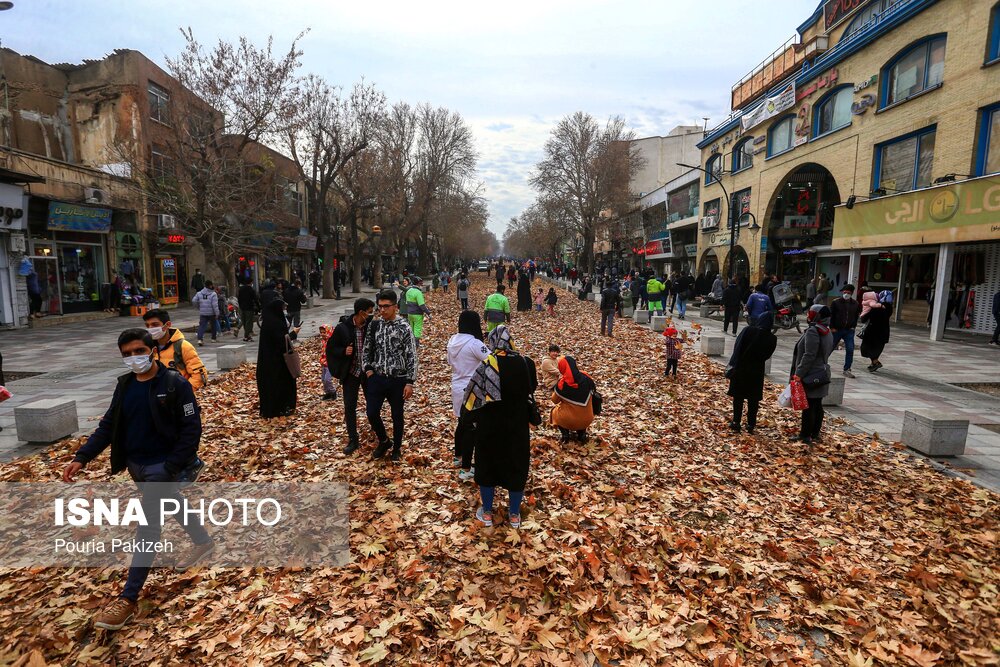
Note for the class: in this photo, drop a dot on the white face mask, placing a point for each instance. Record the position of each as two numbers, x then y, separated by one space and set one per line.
848 296
138 365
156 332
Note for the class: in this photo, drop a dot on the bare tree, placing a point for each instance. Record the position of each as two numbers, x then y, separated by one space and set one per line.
203 175
538 232
586 170
326 134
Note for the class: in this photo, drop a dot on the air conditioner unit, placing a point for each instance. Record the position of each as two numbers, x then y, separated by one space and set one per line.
709 222
164 221
95 195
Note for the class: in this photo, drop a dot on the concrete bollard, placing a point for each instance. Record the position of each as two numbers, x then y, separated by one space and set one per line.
929 433
713 346
836 394
230 356
627 312
704 310
310 301
767 367
641 316
659 322
47 420
592 296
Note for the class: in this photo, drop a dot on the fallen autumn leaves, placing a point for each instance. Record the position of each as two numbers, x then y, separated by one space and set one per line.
665 540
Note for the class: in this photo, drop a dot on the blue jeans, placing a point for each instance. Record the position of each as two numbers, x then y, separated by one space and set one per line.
682 306
486 495
206 321
607 322
846 335
151 495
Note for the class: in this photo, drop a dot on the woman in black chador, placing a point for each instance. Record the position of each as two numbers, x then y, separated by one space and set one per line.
275 384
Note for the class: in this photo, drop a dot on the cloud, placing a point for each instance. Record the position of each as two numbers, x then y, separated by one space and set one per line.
499 127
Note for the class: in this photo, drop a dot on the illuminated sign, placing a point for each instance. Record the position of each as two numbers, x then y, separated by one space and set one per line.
175 238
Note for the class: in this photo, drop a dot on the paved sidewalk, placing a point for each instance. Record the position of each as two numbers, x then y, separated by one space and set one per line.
80 361
918 374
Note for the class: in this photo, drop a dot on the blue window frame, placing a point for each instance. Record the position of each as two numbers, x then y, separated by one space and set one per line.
993 43
833 110
905 163
867 15
913 70
988 143
714 168
743 155
781 135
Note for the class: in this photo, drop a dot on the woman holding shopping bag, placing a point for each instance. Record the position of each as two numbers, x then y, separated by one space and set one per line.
810 367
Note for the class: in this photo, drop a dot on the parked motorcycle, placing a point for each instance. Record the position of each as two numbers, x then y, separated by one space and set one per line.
786 318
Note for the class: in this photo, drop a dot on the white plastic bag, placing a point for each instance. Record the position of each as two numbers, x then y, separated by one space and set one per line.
785 397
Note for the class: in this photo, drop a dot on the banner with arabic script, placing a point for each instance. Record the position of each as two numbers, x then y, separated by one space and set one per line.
76 218
966 211
771 107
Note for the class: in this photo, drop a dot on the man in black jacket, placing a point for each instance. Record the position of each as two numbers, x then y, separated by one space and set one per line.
153 426
249 307
845 311
611 303
295 298
343 359
732 304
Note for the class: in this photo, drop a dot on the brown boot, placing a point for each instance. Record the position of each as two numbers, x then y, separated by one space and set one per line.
115 615
194 554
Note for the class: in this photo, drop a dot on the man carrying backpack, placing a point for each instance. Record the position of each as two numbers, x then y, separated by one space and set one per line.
172 350
463 290
208 310
153 426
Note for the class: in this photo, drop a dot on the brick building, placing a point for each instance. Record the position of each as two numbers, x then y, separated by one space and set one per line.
868 148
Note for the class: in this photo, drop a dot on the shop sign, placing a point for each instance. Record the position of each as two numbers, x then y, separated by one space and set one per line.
771 107
75 218
858 87
835 11
691 249
959 212
719 238
17 243
175 238
825 80
861 106
306 242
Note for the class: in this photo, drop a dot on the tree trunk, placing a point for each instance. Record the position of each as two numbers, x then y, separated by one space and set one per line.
329 255
356 258
587 256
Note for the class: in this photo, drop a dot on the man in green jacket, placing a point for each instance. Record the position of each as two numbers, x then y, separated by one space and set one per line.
497 309
655 291
416 309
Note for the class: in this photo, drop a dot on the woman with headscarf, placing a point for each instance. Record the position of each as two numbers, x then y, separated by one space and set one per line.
466 353
753 347
524 299
810 367
875 316
497 401
574 401
275 385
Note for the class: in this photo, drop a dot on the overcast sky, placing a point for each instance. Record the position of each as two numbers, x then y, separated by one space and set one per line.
512 68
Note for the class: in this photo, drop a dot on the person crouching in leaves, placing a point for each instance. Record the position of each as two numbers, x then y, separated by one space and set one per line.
499 404
153 426
674 348
574 401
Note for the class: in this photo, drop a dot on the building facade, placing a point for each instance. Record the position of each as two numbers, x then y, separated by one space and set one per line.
868 149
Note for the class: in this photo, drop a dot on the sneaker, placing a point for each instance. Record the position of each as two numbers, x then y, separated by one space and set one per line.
115 615
351 447
194 554
190 474
456 462
466 475
200 342
486 518
332 396
848 373
396 455
515 521
381 450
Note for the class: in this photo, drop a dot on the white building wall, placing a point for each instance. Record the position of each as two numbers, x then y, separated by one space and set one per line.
662 155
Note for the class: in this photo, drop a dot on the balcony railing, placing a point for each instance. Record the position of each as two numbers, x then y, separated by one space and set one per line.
780 65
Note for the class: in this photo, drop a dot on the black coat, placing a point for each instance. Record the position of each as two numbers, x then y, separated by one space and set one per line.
876 333
295 298
751 351
502 432
275 384
524 300
845 313
731 297
247 298
343 336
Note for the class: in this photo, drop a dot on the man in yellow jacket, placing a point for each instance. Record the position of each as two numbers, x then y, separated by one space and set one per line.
172 350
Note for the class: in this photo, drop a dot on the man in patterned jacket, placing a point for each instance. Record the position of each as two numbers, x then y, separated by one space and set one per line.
390 364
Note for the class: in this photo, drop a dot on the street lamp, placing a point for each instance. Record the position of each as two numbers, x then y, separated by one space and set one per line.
733 228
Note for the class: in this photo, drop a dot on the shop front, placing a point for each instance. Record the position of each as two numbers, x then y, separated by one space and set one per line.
170 281
943 240
13 214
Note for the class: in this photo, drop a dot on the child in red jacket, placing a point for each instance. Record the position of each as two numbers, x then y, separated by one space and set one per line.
674 350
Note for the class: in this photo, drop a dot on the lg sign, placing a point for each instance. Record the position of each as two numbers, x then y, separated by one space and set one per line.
835 10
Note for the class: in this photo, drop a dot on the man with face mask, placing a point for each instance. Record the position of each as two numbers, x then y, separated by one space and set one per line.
172 350
845 311
153 426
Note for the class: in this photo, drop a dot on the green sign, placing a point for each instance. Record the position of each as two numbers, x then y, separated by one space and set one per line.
956 212
76 218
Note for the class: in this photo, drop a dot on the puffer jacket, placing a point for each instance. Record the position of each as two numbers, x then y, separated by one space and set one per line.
207 301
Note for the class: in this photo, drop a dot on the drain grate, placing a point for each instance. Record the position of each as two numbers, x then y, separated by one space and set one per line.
14 376
988 388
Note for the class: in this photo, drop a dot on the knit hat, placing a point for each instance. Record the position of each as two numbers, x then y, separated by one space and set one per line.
670 331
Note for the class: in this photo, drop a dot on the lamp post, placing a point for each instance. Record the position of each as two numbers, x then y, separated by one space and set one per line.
733 228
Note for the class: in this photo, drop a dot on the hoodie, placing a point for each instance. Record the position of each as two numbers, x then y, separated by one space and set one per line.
465 354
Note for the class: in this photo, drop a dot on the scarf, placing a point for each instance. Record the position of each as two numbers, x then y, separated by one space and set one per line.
484 387
499 339
819 317
574 386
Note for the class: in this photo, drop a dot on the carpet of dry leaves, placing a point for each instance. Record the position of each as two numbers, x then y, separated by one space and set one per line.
663 541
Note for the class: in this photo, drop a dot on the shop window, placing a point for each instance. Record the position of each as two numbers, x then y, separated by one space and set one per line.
918 68
905 163
988 150
740 205
993 44
781 135
743 155
714 169
834 111
159 103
